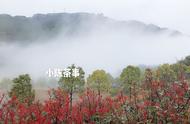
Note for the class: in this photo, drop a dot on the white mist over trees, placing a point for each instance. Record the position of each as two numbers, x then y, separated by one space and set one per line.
88 40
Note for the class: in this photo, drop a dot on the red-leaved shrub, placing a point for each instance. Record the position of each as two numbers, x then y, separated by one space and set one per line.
164 103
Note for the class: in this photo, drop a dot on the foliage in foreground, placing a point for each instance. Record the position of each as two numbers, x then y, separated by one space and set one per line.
160 103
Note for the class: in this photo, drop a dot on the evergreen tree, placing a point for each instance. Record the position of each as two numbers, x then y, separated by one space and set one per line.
22 88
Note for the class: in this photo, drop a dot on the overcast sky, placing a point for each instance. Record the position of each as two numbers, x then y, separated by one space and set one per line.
167 13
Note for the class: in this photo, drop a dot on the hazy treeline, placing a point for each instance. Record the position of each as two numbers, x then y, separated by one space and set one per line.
103 81
48 26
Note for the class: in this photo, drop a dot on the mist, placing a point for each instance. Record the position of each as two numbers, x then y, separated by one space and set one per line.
100 49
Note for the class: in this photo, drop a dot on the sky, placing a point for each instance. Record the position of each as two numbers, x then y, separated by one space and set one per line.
174 14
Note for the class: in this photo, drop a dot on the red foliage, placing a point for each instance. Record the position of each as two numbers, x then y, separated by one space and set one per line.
167 103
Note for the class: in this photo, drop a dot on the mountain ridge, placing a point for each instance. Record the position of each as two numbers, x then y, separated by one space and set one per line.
48 26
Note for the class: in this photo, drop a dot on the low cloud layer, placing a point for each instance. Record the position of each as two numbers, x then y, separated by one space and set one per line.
111 51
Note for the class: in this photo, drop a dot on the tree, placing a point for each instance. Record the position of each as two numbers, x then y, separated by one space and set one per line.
100 81
148 82
181 70
22 88
71 83
185 61
130 76
148 77
166 73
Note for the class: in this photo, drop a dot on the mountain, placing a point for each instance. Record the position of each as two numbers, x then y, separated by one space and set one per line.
48 26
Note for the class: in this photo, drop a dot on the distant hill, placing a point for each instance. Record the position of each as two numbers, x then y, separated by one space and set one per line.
47 26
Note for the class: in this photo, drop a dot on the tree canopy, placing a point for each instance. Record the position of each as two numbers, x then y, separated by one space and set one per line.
99 80
22 88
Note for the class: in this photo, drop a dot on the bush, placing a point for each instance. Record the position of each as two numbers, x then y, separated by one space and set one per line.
163 104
